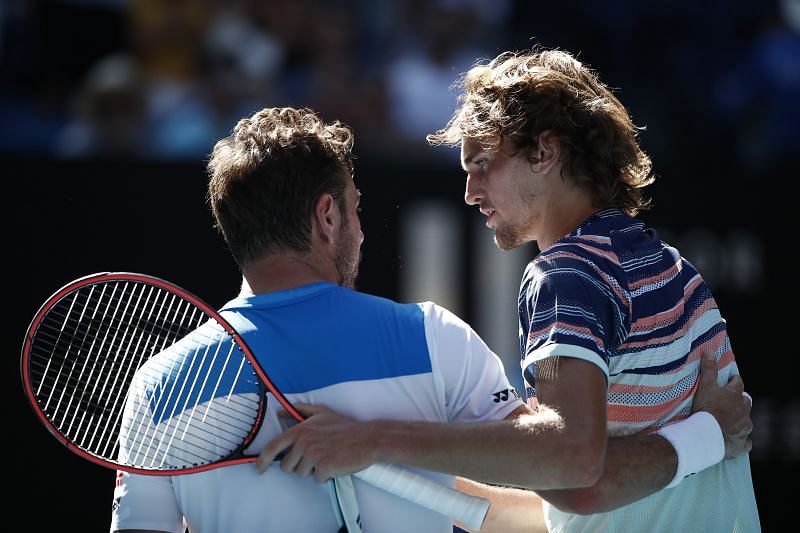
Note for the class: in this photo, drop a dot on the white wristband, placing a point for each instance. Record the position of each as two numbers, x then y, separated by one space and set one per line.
698 442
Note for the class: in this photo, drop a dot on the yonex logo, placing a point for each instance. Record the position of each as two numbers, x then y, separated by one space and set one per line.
502 396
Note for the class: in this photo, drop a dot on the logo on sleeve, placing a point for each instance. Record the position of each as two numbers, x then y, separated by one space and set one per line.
503 395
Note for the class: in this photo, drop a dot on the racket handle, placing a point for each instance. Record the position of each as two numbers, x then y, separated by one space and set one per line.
469 510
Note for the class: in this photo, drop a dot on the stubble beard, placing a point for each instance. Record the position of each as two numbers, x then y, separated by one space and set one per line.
348 259
513 235
347 270
508 237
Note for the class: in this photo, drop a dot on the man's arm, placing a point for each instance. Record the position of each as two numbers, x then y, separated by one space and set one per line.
330 445
532 450
545 449
628 460
639 465
512 510
636 466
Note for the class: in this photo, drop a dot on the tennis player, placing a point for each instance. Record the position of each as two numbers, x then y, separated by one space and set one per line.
614 325
282 194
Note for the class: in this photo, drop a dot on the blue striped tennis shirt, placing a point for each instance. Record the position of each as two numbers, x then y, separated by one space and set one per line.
613 294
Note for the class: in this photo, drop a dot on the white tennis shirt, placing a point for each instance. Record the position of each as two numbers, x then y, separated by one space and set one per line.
363 356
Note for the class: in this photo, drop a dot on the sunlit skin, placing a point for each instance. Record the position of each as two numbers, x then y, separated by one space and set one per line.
524 200
350 238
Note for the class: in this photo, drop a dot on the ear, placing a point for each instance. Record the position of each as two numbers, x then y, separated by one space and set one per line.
546 152
326 217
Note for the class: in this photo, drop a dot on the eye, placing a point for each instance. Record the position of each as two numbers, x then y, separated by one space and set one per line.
481 163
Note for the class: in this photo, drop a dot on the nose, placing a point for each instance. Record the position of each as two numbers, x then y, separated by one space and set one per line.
472 193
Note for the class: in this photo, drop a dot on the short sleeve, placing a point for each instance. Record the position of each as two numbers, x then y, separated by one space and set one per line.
145 502
476 387
567 312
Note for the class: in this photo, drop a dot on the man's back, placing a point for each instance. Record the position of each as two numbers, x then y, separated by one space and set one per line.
363 356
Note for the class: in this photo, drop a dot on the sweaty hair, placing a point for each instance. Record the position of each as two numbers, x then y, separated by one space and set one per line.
267 175
518 95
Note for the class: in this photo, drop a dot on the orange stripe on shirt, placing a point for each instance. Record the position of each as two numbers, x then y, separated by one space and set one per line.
610 282
669 273
647 413
706 305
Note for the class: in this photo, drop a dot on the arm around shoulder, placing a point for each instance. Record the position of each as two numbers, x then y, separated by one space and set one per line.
639 465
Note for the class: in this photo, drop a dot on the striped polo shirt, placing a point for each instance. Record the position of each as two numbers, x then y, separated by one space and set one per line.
612 293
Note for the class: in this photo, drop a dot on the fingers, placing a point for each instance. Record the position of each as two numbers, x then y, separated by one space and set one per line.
292 460
283 413
287 442
305 410
303 468
735 384
307 468
296 461
749 398
320 477
302 464
272 449
708 368
308 410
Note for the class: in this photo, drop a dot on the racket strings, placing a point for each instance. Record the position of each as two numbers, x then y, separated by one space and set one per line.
129 363
204 423
166 336
88 340
155 446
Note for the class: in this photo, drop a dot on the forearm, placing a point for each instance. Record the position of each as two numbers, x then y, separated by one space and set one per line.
639 465
636 467
511 511
528 451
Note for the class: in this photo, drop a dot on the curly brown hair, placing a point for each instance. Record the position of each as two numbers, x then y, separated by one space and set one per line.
267 175
517 95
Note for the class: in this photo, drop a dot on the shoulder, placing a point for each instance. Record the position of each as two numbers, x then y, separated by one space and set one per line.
575 258
369 307
574 251
440 316
575 271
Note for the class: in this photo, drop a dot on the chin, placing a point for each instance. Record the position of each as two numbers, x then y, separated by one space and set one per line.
507 242
510 237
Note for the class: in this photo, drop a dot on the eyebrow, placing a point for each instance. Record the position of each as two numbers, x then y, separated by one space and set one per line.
471 157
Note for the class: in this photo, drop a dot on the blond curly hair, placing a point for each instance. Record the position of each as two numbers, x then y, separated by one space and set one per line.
517 95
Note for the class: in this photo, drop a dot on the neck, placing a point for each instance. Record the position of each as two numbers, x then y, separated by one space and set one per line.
569 224
566 211
280 272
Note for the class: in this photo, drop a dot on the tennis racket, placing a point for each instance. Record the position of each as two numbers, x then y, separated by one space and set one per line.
135 373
